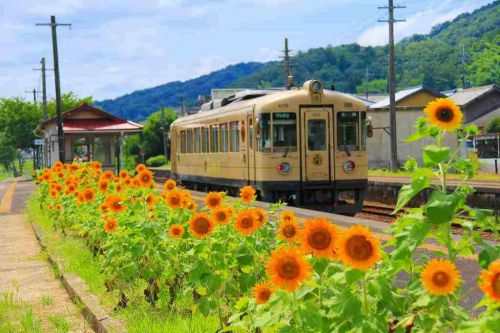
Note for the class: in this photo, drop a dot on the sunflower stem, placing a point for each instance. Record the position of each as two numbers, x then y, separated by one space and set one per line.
365 296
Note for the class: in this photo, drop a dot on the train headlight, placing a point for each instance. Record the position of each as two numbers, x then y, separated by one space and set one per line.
349 166
284 168
316 86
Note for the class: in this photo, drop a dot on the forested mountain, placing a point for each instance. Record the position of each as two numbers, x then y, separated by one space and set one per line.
468 45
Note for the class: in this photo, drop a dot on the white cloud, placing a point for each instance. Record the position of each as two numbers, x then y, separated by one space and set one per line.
419 23
265 54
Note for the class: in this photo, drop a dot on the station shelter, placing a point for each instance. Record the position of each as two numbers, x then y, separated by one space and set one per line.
90 134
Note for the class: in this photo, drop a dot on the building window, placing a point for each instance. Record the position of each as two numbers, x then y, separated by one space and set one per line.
81 149
224 138
347 130
189 141
197 140
235 140
284 132
206 135
214 143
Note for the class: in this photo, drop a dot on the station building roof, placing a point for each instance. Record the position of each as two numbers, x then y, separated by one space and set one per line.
405 94
464 96
86 118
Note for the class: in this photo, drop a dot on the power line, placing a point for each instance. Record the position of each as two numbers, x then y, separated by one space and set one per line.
392 83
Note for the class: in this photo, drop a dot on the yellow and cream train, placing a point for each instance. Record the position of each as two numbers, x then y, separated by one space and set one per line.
302 146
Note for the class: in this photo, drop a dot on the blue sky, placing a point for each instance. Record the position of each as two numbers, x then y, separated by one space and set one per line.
116 47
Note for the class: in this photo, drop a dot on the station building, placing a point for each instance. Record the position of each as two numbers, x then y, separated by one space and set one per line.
90 134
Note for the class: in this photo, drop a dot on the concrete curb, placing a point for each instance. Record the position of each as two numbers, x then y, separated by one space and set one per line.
88 303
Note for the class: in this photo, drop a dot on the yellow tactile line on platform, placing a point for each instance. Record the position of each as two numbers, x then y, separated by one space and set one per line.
385 237
7 198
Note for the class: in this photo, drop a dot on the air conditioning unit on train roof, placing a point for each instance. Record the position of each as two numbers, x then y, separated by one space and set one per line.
237 95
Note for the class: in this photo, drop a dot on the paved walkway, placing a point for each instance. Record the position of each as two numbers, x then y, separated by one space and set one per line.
23 269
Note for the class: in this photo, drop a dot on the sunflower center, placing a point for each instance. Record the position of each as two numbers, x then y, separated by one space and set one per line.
440 279
201 225
289 231
444 114
88 195
359 247
319 239
214 202
496 284
176 231
246 222
221 216
174 200
145 178
288 269
117 205
264 294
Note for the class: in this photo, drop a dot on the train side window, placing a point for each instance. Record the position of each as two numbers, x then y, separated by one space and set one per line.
235 139
189 149
264 144
206 136
316 134
364 131
214 143
347 130
224 138
183 142
284 132
250 133
197 140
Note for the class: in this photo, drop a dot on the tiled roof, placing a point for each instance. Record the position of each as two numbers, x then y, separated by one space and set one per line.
465 96
99 125
400 95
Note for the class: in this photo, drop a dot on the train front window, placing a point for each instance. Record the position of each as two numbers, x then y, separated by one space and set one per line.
347 131
265 133
316 134
284 132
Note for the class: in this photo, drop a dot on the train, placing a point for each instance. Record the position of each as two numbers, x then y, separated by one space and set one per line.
302 146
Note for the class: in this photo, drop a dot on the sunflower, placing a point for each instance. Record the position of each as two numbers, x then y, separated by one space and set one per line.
319 237
170 184
201 225
246 222
358 248
174 199
151 200
110 225
262 292
287 215
213 200
145 178
114 203
58 207
261 215
50 207
176 231
444 113
103 208
103 185
88 195
108 174
127 181
287 268
490 280
96 165
247 194
123 174
289 230
54 194
221 215
440 277
140 167
191 205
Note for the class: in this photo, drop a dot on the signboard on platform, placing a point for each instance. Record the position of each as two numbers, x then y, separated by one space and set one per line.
38 142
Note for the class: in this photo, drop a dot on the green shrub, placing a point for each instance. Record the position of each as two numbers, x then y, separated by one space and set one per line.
156 161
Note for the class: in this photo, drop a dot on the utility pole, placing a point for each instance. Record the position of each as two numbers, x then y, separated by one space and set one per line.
34 92
392 84
463 58
164 132
183 106
286 57
44 87
367 77
60 132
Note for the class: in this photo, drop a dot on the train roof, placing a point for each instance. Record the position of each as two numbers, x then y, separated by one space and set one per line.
249 98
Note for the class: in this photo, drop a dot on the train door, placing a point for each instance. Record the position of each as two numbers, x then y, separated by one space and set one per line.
315 152
250 148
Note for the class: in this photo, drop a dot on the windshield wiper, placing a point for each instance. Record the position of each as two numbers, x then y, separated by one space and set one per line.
286 151
346 150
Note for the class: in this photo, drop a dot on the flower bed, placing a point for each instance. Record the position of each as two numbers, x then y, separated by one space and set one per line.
260 270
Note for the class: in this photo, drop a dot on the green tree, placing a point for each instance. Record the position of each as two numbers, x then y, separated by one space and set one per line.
374 86
7 152
485 66
493 126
